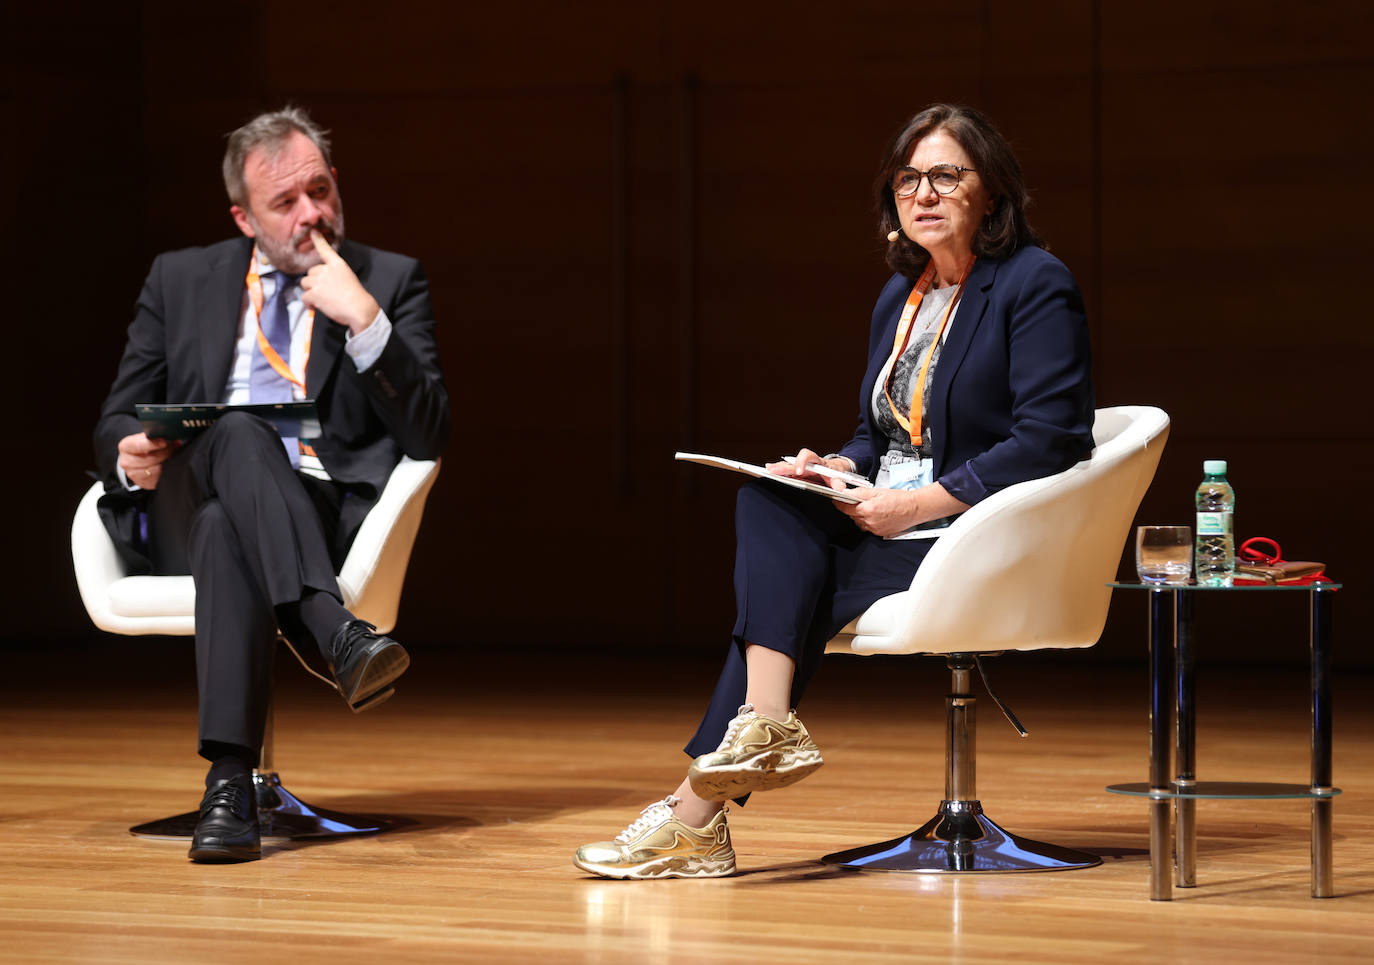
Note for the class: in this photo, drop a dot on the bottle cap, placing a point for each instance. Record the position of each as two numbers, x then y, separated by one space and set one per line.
1214 467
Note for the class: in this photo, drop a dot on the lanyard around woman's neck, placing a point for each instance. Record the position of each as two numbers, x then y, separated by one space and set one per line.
254 283
913 424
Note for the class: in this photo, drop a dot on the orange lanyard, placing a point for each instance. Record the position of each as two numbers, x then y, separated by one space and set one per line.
913 302
254 284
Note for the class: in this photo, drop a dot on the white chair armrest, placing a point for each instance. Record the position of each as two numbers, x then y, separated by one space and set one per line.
375 569
94 559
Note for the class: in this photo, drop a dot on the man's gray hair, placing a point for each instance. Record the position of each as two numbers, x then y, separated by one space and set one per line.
267 131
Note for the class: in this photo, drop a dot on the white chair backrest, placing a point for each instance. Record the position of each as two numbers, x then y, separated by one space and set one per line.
1026 568
370 580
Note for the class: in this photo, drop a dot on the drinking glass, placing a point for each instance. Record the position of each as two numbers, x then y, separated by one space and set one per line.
1164 554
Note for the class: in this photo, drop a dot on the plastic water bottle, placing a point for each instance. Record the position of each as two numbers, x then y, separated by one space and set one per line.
1214 551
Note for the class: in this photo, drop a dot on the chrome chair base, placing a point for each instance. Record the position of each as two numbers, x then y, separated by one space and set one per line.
960 839
281 815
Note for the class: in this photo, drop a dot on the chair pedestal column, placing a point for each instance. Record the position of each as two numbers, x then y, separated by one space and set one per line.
960 839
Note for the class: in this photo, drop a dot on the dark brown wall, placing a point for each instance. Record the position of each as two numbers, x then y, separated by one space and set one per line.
647 227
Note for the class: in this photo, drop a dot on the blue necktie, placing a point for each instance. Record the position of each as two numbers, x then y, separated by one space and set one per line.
264 383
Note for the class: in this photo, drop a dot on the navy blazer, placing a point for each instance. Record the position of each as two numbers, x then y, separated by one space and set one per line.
181 345
1012 396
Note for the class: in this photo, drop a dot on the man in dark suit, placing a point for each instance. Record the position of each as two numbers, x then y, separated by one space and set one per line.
288 311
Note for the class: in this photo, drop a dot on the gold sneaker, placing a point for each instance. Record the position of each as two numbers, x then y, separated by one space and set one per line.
757 754
658 845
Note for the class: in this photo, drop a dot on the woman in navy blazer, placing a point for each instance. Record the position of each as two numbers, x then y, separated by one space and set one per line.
979 377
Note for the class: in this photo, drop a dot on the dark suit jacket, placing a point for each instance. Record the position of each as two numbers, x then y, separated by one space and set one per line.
181 345
1012 396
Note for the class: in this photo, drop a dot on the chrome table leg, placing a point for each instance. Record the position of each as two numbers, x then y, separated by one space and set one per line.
1323 885
1185 744
1162 609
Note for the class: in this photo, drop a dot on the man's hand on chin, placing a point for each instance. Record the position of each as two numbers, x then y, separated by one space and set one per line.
332 288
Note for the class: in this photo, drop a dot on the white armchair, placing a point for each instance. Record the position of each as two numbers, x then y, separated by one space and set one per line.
370 581
1025 569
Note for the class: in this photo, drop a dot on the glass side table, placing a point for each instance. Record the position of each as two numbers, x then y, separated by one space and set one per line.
1172 692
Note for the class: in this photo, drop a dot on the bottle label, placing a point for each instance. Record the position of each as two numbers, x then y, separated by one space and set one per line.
1214 524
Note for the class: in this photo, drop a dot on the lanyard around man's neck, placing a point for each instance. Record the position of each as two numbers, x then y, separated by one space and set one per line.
254 283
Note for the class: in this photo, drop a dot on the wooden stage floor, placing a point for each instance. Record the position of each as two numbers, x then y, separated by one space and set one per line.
505 764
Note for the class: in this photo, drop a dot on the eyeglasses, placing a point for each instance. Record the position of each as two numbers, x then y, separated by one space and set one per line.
943 178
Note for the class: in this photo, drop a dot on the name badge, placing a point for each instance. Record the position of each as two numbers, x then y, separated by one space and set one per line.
910 475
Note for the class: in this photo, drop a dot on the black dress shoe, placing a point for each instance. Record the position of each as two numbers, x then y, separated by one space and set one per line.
228 827
365 664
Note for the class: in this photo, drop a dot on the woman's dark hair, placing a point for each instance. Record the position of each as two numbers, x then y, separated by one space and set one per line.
1003 231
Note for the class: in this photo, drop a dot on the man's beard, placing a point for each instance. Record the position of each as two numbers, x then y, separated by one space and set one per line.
287 258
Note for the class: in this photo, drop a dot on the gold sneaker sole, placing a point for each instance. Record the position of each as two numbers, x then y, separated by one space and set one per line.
761 772
673 866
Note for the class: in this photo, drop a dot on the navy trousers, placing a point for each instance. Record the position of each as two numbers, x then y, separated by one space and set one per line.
802 571
255 534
